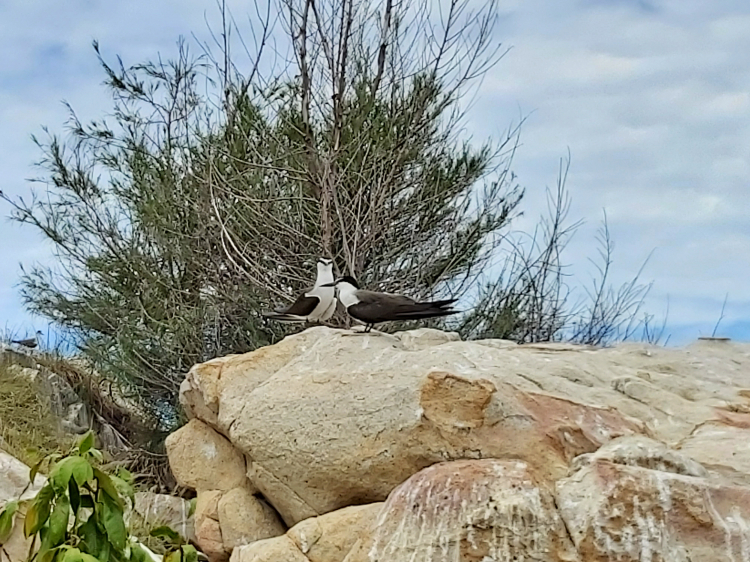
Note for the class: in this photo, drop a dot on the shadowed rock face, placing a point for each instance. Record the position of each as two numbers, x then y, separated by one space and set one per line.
630 453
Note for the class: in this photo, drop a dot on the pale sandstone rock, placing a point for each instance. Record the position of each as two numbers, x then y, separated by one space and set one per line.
202 459
471 510
278 549
243 518
201 389
209 540
333 537
14 478
723 449
636 500
328 419
360 413
207 504
161 509
199 392
207 527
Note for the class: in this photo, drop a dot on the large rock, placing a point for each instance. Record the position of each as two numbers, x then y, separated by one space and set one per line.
346 534
636 500
156 510
465 511
361 413
328 419
207 527
15 485
243 518
202 459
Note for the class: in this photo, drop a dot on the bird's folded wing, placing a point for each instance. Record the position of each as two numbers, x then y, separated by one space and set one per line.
303 306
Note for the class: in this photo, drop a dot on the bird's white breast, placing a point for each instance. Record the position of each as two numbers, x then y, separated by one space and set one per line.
348 295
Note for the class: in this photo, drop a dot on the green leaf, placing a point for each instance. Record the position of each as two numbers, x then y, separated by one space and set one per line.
193 504
139 554
110 516
96 454
93 540
186 553
106 484
74 495
6 520
38 512
86 442
105 550
125 474
165 532
71 467
88 558
34 470
58 522
91 537
124 488
47 555
190 554
72 555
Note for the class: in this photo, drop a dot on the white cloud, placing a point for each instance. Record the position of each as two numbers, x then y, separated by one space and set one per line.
652 98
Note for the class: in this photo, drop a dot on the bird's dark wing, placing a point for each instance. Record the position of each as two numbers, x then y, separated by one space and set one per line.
381 307
303 306
371 297
378 307
31 342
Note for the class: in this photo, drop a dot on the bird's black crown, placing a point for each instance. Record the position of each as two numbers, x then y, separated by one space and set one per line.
348 279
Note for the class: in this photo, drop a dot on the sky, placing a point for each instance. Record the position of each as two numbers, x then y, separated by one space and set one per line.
650 98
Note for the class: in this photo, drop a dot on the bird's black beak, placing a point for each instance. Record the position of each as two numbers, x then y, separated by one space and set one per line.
329 284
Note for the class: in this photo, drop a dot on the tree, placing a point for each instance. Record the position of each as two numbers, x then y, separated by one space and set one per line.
180 218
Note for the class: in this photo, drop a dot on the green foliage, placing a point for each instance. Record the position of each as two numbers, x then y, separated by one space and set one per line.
78 515
6 520
182 219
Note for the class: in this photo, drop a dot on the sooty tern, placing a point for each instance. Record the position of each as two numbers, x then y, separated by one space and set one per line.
31 343
314 305
372 308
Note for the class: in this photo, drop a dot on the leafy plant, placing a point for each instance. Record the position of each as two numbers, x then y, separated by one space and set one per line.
177 548
78 515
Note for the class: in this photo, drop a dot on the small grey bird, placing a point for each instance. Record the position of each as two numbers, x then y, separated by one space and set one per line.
314 305
31 343
372 308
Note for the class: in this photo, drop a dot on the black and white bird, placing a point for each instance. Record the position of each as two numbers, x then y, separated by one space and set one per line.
372 308
31 343
314 305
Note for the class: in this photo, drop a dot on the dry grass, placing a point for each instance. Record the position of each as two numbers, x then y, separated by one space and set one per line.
27 428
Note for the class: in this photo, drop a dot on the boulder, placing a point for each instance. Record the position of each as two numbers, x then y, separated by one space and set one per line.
207 527
156 510
360 413
636 500
202 459
14 480
244 518
14 485
471 510
576 453
279 549
334 537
